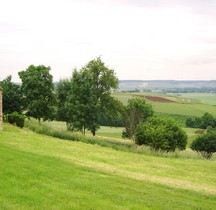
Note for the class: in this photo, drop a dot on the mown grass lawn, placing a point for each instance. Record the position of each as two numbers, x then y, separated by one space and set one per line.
40 172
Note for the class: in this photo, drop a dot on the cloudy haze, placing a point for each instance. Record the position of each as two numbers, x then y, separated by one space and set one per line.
139 39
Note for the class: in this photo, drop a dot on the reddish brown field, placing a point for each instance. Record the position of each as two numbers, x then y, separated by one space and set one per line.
159 99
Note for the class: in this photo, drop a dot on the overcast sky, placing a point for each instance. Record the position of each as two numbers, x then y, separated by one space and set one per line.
139 39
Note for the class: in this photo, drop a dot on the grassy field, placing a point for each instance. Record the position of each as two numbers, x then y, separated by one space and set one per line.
104 131
184 109
187 104
110 132
40 172
206 98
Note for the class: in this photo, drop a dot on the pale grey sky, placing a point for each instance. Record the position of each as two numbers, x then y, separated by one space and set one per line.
139 39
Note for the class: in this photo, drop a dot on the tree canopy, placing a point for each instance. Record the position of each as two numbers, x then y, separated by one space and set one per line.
12 96
63 90
137 111
91 95
38 90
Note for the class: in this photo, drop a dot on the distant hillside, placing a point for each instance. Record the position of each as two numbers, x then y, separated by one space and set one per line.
167 86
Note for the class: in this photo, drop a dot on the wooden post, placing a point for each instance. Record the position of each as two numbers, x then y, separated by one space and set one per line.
1 114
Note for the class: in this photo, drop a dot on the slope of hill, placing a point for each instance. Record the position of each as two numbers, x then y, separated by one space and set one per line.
39 172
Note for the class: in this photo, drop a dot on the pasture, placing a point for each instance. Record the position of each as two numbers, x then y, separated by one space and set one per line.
184 104
206 98
41 172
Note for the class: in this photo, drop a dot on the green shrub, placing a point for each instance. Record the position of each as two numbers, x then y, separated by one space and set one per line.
17 119
20 121
11 118
161 134
205 144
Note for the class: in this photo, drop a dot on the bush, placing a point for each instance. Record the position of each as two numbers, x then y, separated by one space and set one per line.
137 111
17 119
205 144
161 134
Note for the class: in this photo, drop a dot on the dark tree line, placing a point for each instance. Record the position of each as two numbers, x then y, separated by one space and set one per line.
207 120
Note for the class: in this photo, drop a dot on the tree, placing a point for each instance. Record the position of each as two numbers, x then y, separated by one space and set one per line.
13 99
103 81
38 90
161 134
205 144
80 104
207 120
201 122
137 111
63 90
114 113
91 92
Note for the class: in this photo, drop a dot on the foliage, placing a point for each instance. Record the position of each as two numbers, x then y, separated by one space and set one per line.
38 90
17 119
205 144
114 113
161 134
208 120
63 90
80 103
137 111
201 122
12 96
90 95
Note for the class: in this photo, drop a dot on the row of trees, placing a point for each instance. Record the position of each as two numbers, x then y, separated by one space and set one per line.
80 101
204 122
84 102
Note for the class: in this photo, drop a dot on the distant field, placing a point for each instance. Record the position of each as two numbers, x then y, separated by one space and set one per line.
40 172
207 98
186 104
184 109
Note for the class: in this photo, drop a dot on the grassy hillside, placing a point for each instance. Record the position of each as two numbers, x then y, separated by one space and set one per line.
39 172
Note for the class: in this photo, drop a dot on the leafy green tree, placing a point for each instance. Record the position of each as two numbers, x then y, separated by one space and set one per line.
63 90
137 111
91 95
38 90
114 113
12 96
80 104
103 82
205 144
161 134
207 120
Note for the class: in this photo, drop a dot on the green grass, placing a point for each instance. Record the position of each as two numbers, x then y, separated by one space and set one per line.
57 129
40 172
184 109
104 131
207 98
192 108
